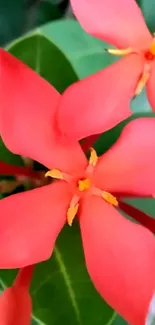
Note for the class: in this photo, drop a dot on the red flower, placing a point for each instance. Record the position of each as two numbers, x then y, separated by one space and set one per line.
104 98
15 302
119 254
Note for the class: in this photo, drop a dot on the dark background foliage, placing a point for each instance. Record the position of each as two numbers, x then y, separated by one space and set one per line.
19 16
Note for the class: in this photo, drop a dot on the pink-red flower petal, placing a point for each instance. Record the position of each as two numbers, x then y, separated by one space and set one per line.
150 87
129 165
30 223
120 259
15 307
117 22
15 302
97 103
27 117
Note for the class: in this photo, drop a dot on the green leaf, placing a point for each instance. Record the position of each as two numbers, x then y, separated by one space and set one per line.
62 291
86 53
148 9
140 104
118 320
146 205
43 56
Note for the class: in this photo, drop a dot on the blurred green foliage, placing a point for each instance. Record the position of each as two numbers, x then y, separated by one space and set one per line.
20 16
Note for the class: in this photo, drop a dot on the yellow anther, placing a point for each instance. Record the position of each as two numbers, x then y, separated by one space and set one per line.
152 48
120 52
71 213
109 198
143 80
55 173
84 184
93 157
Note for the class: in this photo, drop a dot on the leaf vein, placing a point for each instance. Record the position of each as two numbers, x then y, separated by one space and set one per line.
67 280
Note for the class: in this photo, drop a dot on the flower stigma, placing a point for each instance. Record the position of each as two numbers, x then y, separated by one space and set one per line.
120 52
82 186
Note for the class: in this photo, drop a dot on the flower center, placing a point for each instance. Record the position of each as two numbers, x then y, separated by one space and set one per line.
149 56
83 184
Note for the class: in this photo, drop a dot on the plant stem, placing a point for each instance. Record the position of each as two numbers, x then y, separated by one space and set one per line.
143 218
24 276
7 169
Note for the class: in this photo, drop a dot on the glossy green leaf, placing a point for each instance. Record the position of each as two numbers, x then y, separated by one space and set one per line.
62 291
43 56
148 8
146 205
140 104
86 53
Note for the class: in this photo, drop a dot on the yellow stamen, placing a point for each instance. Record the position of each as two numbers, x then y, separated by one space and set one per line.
120 52
109 198
152 48
143 80
55 173
84 184
71 213
93 157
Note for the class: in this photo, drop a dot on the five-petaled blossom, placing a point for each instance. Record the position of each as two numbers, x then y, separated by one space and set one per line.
119 254
103 98
15 301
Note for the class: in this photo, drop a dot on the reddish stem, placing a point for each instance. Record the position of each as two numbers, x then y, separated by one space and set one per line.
143 218
7 169
88 142
24 276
